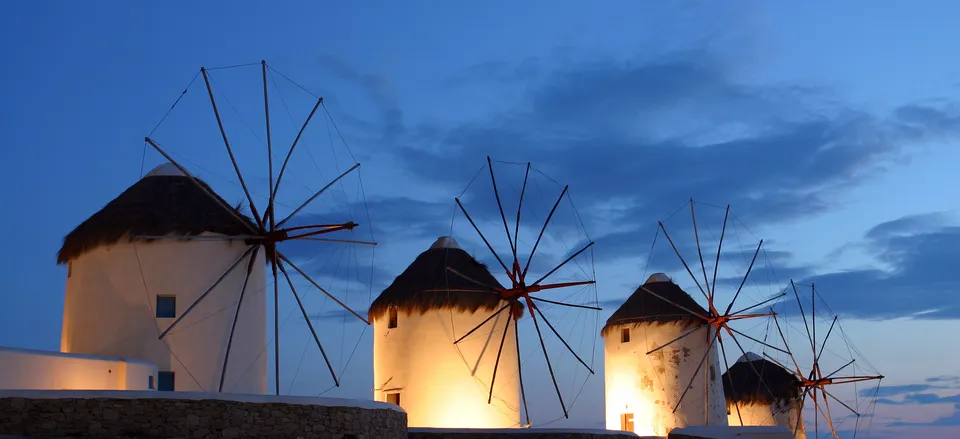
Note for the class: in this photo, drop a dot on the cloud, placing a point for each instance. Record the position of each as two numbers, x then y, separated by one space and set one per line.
602 126
919 281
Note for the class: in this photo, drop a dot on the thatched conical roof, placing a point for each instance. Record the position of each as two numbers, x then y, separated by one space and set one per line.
164 202
643 307
426 284
774 384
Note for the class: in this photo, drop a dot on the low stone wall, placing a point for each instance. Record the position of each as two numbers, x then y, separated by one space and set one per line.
517 433
116 414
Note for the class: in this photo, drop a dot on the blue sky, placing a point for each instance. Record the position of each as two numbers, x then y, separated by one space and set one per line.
829 127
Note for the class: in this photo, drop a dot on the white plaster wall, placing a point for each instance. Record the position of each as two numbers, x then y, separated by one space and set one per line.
439 385
44 370
109 310
768 415
649 386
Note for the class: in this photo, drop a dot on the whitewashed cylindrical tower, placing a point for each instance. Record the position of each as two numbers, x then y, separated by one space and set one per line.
123 291
642 390
768 399
415 361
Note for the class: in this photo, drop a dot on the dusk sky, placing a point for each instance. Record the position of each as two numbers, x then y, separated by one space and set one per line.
829 128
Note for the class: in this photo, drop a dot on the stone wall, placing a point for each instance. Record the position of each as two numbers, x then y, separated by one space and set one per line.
51 416
517 433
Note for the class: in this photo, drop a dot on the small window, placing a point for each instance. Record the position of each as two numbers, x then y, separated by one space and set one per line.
150 383
393 398
392 320
626 422
69 269
625 336
166 307
165 381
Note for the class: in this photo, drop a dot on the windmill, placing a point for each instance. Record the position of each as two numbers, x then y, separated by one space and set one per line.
675 320
263 235
818 378
529 286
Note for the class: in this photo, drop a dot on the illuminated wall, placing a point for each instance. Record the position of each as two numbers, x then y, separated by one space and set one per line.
439 385
44 370
762 414
110 310
645 388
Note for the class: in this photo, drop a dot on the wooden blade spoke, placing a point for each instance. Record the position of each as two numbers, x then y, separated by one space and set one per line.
200 237
315 284
706 353
804 315
855 379
778 363
266 116
523 391
286 160
744 280
538 299
484 238
557 333
306 318
577 253
644 288
699 327
825 411
758 341
696 237
208 291
223 133
236 316
726 365
342 241
784 339
684 262
839 369
484 322
276 320
841 402
542 230
546 356
496 364
317 194
723 232
470 279
758 305
216 199
824 345
516 227
503 216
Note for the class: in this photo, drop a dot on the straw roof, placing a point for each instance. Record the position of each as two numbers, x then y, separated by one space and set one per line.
164 202
643 307
426 284
774 384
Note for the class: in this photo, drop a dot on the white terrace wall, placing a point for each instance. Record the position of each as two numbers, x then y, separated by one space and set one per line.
45 370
